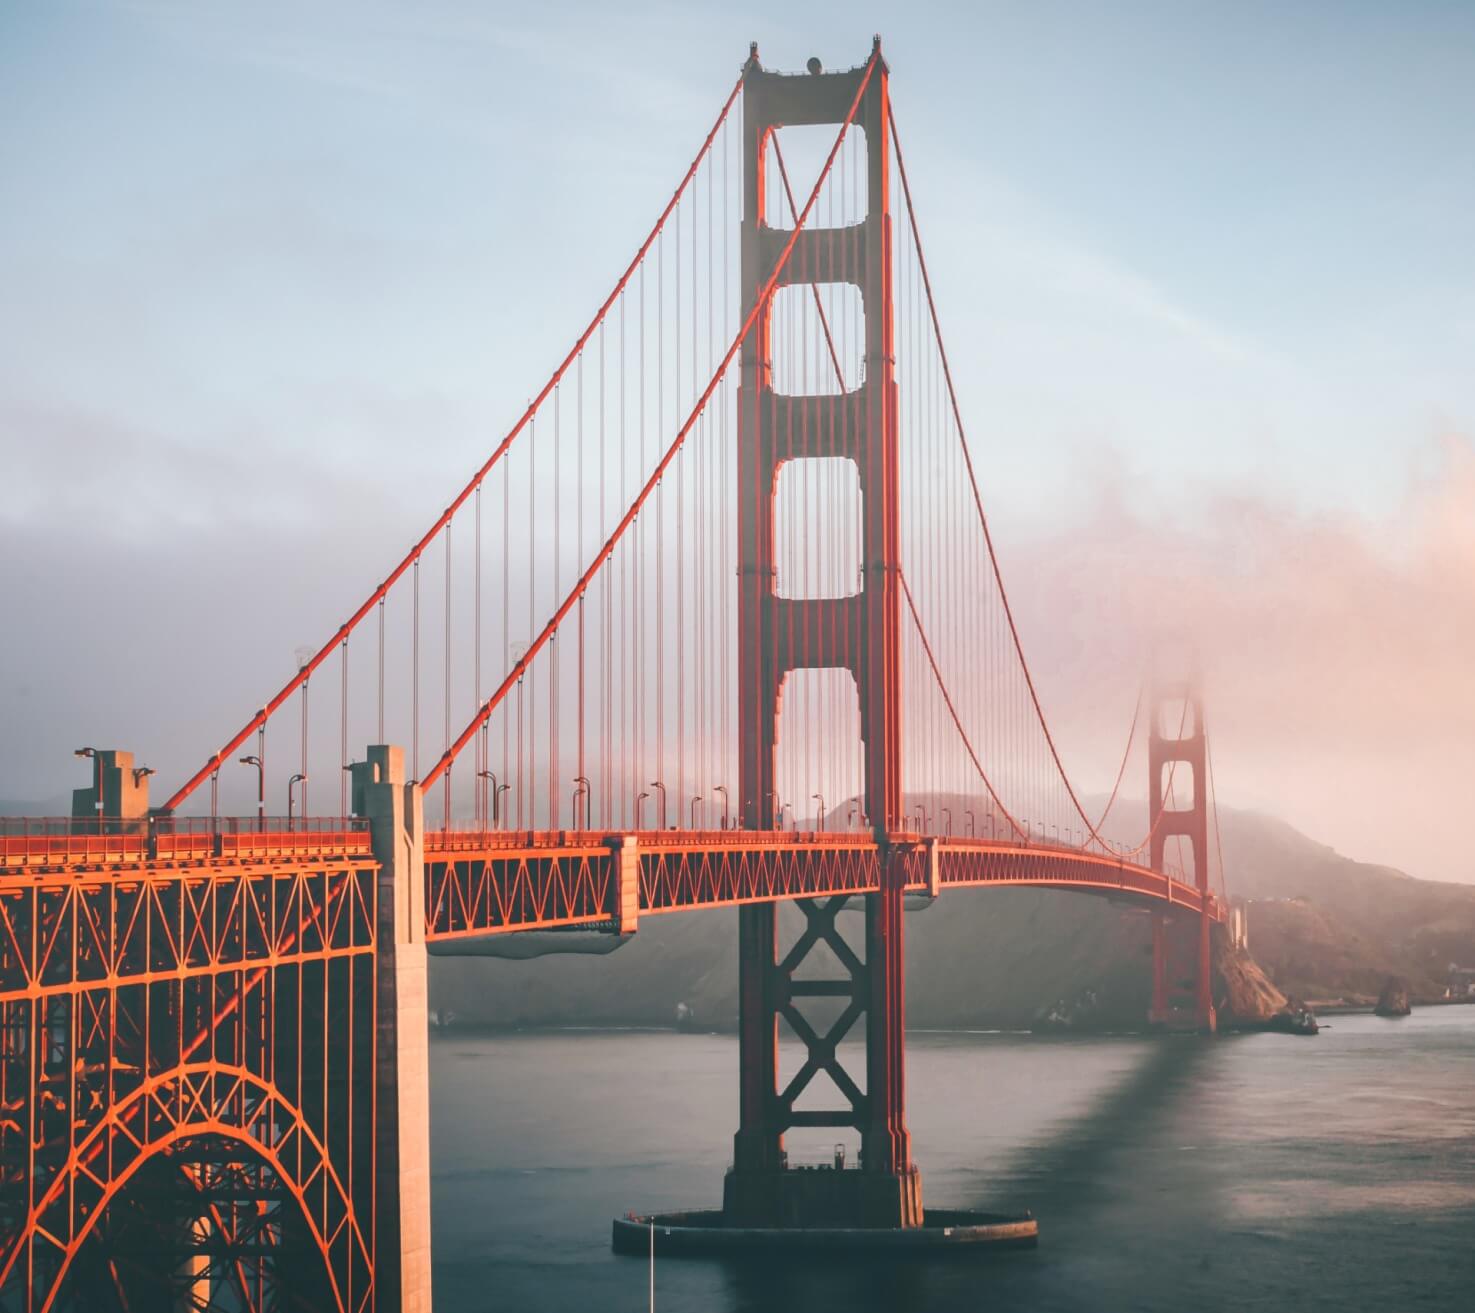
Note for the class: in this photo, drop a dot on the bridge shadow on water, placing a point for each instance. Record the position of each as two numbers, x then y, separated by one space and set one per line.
1107 1191
1077 1171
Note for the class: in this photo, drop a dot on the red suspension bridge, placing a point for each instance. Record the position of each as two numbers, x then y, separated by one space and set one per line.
719 622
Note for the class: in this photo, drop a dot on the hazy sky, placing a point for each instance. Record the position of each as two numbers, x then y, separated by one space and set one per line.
274 276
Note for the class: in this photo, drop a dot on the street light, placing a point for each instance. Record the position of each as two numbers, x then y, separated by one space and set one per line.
972 828
695 798
260 789
296 779
820 798
639 798
584 786
722 789
489 775
496 793
656 784
947 824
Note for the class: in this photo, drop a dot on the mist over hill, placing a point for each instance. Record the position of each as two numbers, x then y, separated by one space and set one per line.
1321 925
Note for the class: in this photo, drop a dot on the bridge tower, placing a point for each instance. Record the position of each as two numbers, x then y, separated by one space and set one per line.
1176 746
859 633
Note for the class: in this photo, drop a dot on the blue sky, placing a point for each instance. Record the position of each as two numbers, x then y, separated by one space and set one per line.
1213 241
283 267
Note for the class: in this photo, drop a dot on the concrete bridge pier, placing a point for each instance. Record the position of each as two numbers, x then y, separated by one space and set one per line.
394 811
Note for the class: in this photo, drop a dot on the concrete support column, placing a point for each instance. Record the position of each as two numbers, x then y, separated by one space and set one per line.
393 809
626 879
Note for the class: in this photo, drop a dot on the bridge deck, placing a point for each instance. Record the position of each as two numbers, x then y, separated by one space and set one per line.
489 883
497 882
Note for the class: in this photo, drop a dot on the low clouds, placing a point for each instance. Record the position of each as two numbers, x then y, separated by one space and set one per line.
1337 647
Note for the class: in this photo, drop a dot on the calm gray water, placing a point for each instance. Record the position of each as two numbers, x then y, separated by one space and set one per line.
1250 1172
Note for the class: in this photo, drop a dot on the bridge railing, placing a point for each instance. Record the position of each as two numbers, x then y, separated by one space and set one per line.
50 841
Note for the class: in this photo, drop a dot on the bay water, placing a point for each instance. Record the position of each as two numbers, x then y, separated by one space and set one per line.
1237 1172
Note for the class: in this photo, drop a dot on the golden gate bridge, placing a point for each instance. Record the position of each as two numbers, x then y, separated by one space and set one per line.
718 622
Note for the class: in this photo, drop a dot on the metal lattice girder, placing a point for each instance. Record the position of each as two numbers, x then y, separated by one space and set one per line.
821 1050
494 882
155 1015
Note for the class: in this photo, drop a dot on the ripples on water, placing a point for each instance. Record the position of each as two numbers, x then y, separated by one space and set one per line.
1249 1172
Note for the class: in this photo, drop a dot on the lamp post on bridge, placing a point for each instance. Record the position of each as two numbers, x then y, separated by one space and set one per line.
582 790
947 825
695 798
260 789
722 789
820 798
656 784
972 828
639 799
488 775
296 779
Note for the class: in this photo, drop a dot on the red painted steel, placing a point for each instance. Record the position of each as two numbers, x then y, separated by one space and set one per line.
1186 747
497 882
859 633
196 1016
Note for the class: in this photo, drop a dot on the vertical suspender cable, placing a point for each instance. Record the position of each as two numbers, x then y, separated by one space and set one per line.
446 688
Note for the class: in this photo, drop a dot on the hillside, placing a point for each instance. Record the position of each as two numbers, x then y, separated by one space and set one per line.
1321 926
1326 927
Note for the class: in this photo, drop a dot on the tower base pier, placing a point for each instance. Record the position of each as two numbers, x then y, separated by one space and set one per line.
705 1232
822 1197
